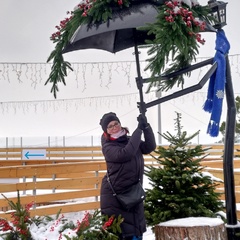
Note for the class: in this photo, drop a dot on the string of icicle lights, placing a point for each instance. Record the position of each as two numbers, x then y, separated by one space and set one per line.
34 75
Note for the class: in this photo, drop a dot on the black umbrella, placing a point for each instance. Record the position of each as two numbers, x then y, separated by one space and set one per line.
120 32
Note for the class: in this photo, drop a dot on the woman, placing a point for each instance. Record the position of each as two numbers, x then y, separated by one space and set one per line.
125 166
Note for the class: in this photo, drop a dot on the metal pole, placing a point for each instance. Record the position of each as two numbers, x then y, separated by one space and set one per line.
232 225
159 95
139 80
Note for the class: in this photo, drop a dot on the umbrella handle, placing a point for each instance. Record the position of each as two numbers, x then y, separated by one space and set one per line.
141 104
142 107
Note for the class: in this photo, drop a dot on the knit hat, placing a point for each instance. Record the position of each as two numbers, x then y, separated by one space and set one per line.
107 118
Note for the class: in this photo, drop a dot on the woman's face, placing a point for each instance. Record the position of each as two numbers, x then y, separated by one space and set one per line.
113 127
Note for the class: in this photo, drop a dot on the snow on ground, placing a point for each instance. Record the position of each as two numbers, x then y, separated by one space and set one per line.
50 230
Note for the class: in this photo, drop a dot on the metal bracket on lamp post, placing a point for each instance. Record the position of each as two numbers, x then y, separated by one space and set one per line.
186 90
232 226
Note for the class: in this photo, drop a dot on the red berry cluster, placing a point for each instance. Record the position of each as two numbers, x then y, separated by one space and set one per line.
84 7
81 225
108 223
61 26
4 225
175 9
28 206
56 223
20 218
120 2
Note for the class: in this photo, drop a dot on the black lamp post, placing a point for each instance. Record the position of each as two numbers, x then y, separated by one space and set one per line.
218 11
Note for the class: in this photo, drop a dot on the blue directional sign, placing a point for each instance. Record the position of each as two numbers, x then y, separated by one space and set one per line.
33 154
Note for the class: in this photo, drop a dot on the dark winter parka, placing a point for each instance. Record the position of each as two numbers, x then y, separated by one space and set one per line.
125 164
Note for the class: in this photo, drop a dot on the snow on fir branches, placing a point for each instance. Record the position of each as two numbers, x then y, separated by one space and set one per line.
176 32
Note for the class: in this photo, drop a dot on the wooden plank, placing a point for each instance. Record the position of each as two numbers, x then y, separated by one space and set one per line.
6 150
237 195
19 162
52 197
52 152
212 164
90 148
5 163
14 156
53 210
49 169
70 183
75 154
73 175
19 149
64 209
219 174
80 174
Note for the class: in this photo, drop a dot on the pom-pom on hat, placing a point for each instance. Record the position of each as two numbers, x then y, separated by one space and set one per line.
107 118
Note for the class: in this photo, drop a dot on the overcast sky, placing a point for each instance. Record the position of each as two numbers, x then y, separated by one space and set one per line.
26 26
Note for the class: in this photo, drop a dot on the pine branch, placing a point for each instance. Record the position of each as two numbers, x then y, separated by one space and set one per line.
92 12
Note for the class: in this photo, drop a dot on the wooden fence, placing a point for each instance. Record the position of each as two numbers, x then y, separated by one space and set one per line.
70 178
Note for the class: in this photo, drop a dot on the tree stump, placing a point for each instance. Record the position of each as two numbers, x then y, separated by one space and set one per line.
192 228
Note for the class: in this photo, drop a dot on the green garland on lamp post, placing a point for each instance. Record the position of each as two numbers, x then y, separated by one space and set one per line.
177 37
176 32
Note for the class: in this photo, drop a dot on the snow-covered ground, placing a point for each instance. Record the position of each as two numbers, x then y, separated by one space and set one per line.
50 231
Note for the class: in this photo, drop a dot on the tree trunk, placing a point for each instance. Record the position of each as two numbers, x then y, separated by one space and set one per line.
191 229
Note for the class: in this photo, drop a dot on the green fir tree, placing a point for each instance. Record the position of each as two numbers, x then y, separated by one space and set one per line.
179 188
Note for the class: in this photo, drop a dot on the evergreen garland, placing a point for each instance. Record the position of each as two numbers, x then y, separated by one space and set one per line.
91 11
177 38
179 188
176 33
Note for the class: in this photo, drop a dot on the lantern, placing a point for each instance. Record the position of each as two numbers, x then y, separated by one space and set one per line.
218 11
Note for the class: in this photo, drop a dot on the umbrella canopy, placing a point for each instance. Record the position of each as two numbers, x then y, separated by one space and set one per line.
118 33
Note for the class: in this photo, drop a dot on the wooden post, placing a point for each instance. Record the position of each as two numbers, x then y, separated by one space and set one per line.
192 228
